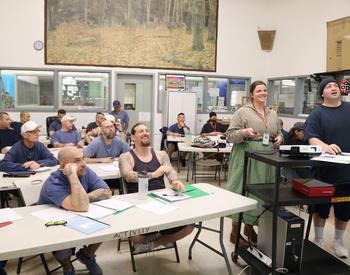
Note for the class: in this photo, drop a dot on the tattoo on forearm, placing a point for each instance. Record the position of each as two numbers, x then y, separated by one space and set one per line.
100 194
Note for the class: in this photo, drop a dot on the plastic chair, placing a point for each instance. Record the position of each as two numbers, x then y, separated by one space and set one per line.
207 163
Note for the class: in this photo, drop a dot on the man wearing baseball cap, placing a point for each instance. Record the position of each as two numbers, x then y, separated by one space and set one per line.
29 153
329 126
118 113
68 135
212 127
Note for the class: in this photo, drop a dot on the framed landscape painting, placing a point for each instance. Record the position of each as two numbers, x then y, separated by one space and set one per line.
164 34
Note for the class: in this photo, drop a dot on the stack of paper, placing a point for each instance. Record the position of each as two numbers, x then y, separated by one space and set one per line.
343 158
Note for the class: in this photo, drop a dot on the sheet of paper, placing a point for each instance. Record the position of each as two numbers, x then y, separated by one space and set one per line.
53 214
114 204
344 159
96 212
109 168
8 215
42 169
156 207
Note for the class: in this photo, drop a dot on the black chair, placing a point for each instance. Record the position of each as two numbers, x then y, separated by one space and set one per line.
49 120
131 247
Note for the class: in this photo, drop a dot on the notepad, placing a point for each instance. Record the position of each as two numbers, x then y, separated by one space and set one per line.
86 225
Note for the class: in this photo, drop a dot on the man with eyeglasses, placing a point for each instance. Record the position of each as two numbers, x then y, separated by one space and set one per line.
8 136
29 153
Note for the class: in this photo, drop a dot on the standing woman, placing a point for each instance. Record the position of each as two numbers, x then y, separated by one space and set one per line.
253 127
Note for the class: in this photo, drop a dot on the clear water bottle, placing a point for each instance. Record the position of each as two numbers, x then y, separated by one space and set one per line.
188 138
142 184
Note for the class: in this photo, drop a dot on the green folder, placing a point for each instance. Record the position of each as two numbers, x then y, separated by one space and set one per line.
194 192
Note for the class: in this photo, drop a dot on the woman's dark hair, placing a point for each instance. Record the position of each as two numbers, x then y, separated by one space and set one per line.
254 84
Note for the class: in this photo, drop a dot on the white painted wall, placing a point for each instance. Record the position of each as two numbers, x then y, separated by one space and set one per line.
299 48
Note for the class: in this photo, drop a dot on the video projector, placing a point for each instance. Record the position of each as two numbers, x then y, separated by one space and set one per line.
300 151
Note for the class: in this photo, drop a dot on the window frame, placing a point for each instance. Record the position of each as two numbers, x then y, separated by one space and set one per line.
56 94
205 89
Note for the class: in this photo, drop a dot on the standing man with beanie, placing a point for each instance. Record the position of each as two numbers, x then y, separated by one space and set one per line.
328 126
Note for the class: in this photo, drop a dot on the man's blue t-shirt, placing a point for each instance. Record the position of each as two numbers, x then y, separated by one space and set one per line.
98 149
332 126
16 125
57 187
19 154
55 126
122 115
70 136
176 129
8 137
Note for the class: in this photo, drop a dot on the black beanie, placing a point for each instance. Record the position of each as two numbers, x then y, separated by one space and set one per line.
324 83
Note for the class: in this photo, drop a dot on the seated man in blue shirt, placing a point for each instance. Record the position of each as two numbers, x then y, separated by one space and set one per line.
118 113
212 128
29 153
8 136
56 124
68 135
107 147
73 187
177 130
23 118
157 165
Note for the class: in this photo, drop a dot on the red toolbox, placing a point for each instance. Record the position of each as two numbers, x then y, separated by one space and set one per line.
313 187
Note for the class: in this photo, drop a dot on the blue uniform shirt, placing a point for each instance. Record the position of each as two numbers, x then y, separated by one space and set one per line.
20 154
175 129
8 137
98 149
57 187
209 128
70 136
55 126
332 126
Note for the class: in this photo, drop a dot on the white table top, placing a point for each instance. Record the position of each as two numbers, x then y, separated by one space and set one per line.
29 236
188 148
175 139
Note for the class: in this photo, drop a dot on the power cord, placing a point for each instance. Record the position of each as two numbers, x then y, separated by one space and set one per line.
241 272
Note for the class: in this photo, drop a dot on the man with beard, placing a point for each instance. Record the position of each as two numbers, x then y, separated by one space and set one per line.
107 147
212 128
157 164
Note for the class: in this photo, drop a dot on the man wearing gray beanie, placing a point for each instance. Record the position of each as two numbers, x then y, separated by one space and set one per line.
329 126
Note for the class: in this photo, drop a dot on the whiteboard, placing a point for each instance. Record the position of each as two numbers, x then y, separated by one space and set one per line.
182 102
